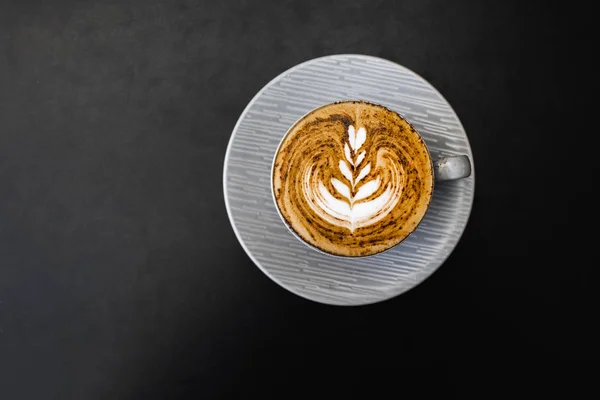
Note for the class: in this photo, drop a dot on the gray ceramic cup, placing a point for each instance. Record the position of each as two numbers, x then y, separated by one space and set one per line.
447 168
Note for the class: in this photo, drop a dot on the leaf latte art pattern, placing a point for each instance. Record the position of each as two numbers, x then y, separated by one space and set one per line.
359 208
352 178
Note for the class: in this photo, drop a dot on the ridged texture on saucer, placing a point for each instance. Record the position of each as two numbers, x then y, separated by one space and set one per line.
248 185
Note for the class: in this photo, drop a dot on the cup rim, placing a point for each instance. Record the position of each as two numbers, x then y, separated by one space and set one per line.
288 225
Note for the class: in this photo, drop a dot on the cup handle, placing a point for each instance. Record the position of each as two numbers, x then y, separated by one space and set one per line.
451 168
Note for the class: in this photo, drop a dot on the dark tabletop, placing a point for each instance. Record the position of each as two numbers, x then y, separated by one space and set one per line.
120 276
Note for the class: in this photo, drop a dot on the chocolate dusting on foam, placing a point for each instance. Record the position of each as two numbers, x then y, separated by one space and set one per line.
330 176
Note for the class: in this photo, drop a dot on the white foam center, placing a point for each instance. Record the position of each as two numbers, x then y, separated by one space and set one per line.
358 209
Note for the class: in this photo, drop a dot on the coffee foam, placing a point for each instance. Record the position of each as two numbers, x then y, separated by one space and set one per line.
352 178
363 202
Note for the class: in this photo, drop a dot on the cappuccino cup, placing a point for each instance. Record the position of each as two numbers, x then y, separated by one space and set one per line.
354 179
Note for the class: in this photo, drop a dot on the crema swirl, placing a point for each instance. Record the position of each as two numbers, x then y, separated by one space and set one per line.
352 178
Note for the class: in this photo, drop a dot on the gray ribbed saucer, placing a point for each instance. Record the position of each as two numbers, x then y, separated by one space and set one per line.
247 184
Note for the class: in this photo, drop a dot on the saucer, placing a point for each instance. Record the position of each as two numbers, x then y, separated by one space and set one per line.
247 180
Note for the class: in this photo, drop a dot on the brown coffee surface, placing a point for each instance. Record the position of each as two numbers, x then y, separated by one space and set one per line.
352 178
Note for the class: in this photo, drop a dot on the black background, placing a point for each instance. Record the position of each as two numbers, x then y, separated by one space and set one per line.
120 276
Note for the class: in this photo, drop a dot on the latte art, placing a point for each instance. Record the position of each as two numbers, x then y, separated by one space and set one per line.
360 207
352 178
